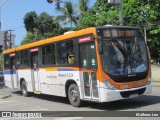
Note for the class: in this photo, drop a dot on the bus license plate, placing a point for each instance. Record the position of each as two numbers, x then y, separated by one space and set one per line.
133 95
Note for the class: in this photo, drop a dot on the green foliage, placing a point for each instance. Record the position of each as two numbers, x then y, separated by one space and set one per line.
135 13
67 14
28 38
39 27
30 21
36 36
138 12
153 40
45 23
101 14
83 6
56 32
87 20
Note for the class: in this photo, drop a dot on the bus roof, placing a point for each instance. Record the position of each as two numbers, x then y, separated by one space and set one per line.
109 26
53 39
62 37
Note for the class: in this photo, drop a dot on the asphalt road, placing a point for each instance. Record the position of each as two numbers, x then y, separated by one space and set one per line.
53 103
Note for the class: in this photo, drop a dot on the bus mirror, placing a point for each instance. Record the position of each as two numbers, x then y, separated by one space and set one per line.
100 49
99 37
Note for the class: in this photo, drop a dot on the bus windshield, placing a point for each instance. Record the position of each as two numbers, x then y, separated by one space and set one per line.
124 56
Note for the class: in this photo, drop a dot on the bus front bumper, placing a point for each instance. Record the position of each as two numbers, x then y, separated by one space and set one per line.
107 95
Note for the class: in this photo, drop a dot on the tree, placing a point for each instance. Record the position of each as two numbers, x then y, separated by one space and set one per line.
142 13
101 14
28 38
50 1
45 23
30 21
87 20
83 6
42 27
68 14
138 12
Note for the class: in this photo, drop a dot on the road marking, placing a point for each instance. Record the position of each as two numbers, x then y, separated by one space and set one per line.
2 102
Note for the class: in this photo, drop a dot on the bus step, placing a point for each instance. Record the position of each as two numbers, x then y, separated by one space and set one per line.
37 92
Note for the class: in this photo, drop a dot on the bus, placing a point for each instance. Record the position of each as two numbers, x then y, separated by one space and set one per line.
99 64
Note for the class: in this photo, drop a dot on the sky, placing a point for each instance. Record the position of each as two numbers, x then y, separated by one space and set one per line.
13 12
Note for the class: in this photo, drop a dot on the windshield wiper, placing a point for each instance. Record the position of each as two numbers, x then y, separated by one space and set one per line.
126 52
122 50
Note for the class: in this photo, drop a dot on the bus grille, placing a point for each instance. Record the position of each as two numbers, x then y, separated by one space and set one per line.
126 94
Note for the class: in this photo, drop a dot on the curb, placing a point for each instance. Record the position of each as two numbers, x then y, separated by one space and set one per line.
4 97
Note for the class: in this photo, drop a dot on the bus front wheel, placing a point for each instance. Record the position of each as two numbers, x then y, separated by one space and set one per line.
74 95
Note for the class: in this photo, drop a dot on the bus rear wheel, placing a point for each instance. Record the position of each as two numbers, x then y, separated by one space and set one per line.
74 95
24 89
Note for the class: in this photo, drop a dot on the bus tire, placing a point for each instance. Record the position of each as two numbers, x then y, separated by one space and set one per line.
74 95
24 89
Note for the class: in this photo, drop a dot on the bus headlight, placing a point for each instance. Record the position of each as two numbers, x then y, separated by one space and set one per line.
149 81
109 85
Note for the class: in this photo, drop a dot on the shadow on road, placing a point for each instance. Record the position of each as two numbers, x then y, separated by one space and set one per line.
46 97
53 98
134 103
126 104
2 85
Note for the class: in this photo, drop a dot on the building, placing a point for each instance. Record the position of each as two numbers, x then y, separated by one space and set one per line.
7 39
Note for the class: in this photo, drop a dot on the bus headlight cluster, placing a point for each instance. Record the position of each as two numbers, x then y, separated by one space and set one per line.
109 85
149 80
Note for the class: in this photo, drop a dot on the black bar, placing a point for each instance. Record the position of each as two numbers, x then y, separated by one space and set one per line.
38 114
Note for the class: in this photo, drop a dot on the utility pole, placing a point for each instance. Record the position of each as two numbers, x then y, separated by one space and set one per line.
120 13
10 38
119 3
6 40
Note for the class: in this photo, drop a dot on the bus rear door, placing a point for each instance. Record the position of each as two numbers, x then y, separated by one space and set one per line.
88 63
13 72
35 69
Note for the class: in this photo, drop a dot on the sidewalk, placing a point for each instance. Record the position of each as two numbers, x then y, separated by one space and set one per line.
4 92
155 75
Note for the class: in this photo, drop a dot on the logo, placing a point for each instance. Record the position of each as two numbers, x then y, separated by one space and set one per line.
6 114
23 114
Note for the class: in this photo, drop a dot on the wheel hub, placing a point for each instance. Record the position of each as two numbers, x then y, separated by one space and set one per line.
74 95
24 89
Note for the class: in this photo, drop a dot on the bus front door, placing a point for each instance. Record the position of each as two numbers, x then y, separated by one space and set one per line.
35 71
88 63
14 78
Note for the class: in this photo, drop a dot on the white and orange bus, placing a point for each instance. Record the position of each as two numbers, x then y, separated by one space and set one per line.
99 64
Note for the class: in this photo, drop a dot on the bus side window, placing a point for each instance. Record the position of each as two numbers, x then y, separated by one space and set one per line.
6 61
48 54
65 52
18 59
43 56
70 55
25 58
